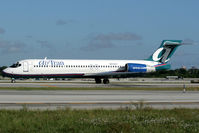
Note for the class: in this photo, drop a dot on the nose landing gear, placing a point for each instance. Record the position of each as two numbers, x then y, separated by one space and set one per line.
13 80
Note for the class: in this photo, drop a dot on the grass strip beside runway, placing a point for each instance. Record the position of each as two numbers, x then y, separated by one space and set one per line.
103 88
100 121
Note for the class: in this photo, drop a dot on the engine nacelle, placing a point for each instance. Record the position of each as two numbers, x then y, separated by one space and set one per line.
138 68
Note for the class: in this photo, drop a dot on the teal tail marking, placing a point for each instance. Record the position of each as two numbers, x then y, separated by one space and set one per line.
165 51
162 67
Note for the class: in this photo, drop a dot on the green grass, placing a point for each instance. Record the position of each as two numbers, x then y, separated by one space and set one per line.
102 88
100 121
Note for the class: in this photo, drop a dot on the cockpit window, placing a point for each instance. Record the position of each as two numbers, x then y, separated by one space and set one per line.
15 65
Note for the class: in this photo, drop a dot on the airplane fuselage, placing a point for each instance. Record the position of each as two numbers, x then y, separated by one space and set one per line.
49 68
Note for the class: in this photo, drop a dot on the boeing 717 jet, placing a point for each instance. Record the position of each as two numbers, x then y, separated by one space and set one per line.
97 69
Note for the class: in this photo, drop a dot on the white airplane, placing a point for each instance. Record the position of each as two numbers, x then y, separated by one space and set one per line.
97 69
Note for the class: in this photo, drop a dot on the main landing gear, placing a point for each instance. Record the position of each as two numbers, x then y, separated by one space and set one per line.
106 81
99 81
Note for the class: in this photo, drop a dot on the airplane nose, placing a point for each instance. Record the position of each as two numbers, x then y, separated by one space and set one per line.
4 72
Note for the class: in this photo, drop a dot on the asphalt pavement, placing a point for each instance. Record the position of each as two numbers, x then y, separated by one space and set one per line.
89 99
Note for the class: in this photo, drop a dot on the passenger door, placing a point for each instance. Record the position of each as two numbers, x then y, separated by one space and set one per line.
25 66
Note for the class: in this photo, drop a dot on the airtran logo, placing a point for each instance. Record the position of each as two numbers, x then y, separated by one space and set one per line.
51 62
156 54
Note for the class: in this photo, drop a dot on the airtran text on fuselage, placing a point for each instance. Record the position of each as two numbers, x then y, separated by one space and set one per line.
51 63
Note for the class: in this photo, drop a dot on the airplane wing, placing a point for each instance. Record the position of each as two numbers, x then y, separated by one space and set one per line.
113 74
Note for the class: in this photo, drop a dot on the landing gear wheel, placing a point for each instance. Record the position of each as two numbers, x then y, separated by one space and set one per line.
106 81
13 80
98 81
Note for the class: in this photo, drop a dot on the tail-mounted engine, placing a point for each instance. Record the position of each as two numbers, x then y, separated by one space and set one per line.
138 68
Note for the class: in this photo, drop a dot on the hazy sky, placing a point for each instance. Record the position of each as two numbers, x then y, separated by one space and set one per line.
97 29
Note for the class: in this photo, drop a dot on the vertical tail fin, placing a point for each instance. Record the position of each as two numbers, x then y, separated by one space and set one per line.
165 51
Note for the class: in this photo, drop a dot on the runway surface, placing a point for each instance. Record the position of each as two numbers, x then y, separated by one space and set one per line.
89 99
92 84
